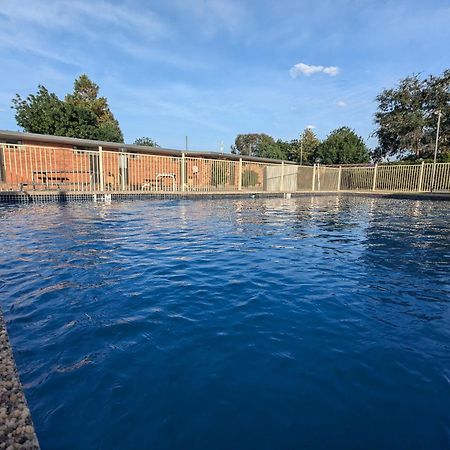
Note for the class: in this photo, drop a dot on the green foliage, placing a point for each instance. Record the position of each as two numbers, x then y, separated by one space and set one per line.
149 142
81 114
260 145
268 148
407 117
304 149
342 146
249 178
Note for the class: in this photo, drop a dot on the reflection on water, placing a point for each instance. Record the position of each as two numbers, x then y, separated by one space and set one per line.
319 322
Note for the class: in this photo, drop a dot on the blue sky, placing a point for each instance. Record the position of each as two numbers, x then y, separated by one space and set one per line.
211 69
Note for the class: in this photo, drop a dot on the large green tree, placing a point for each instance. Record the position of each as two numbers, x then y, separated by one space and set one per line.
342 146
303 150
81 114
258 144
406 118
264 146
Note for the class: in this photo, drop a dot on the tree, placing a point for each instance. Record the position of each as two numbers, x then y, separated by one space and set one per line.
304 149
85 94
39 112
45 113
342 146
80 114
268 148
407 117
247 144
258 144
149 142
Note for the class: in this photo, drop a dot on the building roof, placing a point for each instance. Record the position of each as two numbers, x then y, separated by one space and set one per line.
46 139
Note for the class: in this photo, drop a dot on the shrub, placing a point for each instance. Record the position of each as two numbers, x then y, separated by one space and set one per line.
249 178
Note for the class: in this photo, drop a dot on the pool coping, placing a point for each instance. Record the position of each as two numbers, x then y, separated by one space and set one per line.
16 426
64 196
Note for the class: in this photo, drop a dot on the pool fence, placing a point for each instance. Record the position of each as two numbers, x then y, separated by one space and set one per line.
33 168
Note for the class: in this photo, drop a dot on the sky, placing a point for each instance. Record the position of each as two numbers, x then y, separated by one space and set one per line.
210 69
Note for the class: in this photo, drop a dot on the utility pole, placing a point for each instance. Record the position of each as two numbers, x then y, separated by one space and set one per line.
433 177
186 143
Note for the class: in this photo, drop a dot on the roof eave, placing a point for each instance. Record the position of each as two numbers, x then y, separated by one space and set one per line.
49 139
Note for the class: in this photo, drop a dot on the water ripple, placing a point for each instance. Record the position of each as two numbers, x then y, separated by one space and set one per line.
311 323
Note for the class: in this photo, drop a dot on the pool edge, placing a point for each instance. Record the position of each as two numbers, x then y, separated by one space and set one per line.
62 196
16 426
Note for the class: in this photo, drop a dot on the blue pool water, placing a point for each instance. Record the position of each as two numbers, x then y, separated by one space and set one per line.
236 324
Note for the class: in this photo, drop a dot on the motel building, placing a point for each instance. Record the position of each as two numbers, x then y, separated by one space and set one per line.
33 162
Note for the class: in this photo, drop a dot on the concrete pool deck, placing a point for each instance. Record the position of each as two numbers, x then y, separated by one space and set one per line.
16 426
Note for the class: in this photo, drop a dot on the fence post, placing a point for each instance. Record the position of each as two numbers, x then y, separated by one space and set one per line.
122 161
419 187
375 170
282 177
183 172
339 178
240 175
314 178
100 167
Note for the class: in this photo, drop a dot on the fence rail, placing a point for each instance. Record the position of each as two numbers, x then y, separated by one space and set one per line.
28 167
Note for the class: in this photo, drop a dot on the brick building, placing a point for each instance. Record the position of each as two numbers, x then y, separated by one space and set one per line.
41 162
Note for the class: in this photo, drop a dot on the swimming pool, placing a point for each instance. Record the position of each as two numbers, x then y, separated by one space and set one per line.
318 322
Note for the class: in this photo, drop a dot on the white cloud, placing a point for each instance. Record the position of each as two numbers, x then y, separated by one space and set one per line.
311 127
331 70
341 103
308 70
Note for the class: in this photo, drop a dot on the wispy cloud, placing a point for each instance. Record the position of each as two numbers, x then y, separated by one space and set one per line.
33 27
341 103
80 16
214 16
308 70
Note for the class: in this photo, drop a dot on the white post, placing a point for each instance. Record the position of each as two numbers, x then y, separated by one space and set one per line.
123 164
374 184
339 178
419 187
314 178
240 175
318 177
100 167
282 177
183 172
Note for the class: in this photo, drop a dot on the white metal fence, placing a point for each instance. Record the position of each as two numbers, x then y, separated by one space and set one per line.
27 167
